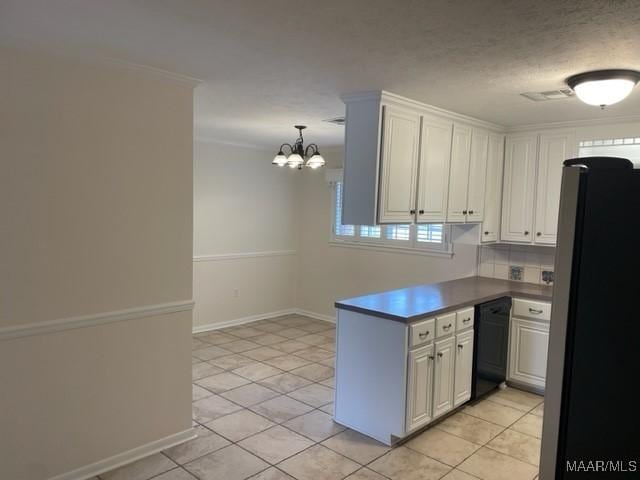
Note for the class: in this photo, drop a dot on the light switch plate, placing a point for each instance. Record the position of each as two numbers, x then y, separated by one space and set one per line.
516 273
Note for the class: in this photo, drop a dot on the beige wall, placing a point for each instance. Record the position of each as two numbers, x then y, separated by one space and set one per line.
327 272
96 207
244 234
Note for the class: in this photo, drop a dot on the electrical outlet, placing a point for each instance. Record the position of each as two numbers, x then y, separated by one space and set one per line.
547 276
516 273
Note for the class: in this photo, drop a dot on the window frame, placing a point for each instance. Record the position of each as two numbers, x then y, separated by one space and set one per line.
411 245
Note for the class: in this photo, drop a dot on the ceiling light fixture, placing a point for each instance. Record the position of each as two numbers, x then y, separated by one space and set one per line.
298 153
603 87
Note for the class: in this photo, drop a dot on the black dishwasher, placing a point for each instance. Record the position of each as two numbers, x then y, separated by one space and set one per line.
490 346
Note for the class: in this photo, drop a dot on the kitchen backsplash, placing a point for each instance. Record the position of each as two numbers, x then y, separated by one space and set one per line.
517 262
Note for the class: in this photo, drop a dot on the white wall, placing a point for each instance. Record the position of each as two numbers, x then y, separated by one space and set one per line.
244 234
96 207
328 272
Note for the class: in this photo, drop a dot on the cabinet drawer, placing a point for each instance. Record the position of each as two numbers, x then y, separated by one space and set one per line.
464 318
445 324
422 332
531 309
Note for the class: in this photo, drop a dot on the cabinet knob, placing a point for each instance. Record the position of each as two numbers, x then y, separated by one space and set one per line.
446 327
464 212
486 233
470 212
539 234
526 232
430 357
412 212
460 346
421 212
439 354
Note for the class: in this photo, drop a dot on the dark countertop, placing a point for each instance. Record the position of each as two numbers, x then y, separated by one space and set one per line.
414 303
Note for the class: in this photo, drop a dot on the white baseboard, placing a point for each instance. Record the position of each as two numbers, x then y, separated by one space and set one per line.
262 316
129 456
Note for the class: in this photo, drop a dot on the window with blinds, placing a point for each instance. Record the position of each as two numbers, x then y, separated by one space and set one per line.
417 237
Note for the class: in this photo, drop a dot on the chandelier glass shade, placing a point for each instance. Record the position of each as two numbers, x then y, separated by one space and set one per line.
298 155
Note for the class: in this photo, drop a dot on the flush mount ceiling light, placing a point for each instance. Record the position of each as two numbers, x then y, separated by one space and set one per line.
298 153
603 87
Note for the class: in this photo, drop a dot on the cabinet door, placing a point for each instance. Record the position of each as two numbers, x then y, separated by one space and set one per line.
443 376
433 177
528 352
399 165
420 387
464 367
459 174
493 191
555 148
477 175
519 188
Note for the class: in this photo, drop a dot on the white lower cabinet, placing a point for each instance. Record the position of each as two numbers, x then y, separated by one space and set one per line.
464 368
420 387
529 345
443 377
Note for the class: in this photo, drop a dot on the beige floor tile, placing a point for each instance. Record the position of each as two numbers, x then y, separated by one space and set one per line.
222 382
316 327
262 353
313 339
231 362
285 383
331 347
517 445
314 354
198 393
281 409
196 344
488 464
365 474
195 360
229 463
470 428
539 410
517 399
456 474
318 463
442 446
292 333
294 321
257 371
218 338
315 395
142 469
529 424
328 362
287 362
175 474
290 346
314 372
494 412
203 369
275 444
269 339
270 327
403 463
240 425
247 332
272 474
329 382
206 442
356 446
213 407
328 409
240 346
316 425
210 352
250 394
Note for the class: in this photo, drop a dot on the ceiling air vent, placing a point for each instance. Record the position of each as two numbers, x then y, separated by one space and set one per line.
549 95
336 121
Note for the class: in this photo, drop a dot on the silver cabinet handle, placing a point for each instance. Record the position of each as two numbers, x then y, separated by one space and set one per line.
446 327
466 320
533 310
422 335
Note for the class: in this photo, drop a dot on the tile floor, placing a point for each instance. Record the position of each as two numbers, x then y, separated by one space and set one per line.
262 406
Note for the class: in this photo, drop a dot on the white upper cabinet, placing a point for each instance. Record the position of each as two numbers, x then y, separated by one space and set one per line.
459 176
493 191
468 174
433 180
477 175
519 188
554 148
399 165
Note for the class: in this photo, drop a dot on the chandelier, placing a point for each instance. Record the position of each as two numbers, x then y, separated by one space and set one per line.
298 153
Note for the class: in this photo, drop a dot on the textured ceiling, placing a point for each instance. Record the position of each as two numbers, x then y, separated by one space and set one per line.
269 64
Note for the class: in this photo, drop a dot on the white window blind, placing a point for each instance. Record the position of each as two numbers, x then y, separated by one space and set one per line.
432 233
339 229
398 232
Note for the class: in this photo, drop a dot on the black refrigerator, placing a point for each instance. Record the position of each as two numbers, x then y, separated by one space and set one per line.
591 426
